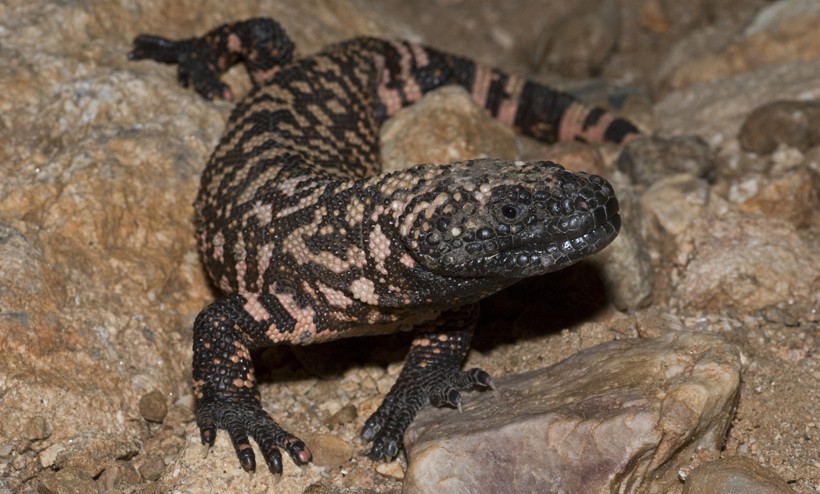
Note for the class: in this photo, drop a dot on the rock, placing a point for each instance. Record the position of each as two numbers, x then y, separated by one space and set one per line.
90 451
784 31
153 407
445 126
344 415
152 469
119 475
676 201
625 264
37 428
717 110
67 481
793 195
575 156
392 470
743 262
631 410
329 451
578 44
736 475
791 123
649 159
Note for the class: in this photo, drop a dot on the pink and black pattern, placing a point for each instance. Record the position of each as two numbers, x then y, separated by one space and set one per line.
310 241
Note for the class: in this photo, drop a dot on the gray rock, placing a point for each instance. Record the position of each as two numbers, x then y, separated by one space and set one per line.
649 159
626 267
736 475
609 419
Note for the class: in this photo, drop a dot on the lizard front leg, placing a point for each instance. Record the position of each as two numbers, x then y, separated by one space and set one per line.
431 375
225 385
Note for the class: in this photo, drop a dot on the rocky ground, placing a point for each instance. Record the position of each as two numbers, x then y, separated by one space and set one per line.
691 343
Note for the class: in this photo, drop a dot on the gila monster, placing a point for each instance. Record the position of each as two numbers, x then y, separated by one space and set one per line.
311 242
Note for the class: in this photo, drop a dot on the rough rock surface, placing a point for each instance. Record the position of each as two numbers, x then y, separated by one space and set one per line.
611 418
100 279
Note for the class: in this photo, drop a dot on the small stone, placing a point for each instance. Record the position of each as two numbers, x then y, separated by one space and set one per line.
117 475
344 415
736 475
791 123
675 201
649 159
152 469
633 410
329 451
392 470
67 481
153 407
37 428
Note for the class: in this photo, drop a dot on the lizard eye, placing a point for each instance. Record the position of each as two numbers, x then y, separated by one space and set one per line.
509 211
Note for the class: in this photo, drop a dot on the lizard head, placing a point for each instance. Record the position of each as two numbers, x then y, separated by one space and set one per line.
503 219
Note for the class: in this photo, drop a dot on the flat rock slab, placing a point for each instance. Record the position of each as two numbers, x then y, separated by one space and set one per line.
618 417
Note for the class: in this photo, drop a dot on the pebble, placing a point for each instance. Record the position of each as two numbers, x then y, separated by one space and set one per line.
153 407
329 451
153 468
37 428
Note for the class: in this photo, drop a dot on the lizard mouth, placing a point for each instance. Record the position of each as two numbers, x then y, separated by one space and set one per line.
545 249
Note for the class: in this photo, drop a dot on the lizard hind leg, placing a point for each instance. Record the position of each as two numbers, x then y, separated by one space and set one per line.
431 375
261 44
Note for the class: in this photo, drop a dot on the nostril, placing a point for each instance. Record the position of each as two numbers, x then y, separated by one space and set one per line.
581 204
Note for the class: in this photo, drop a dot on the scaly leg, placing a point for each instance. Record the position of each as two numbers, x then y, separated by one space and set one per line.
431 375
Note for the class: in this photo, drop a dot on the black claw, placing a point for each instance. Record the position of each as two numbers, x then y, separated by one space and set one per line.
454 398
207 434
299 452
482 378
274 462
371 428
392 449
247 459
376 452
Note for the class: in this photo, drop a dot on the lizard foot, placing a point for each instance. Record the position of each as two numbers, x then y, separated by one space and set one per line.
415 388
242 420
197 62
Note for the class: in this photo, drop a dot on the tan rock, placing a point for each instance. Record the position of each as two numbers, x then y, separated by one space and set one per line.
744 262
444 127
